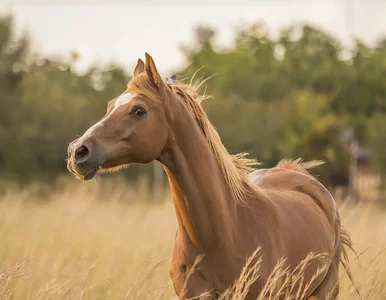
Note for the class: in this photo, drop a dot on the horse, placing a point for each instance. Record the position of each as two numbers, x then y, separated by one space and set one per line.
225 207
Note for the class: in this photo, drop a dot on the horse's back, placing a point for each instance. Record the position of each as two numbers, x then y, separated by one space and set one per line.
293 184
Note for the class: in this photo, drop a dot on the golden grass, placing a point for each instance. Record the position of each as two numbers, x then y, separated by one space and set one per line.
118 246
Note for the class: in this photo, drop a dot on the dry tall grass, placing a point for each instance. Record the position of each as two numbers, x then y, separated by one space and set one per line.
71 246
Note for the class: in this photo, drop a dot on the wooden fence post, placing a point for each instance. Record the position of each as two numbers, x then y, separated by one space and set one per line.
353 171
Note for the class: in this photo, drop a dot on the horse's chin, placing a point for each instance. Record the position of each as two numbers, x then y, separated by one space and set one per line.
91 173
112 169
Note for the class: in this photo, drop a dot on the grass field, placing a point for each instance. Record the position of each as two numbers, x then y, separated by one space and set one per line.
113 243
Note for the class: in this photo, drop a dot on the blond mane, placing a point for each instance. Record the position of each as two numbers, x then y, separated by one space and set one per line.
235 168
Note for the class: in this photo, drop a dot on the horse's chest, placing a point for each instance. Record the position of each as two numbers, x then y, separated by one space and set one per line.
193 273
190 272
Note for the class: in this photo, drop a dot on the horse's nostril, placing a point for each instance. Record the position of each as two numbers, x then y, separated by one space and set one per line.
81 152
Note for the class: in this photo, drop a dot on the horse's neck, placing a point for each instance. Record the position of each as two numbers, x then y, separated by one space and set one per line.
201 196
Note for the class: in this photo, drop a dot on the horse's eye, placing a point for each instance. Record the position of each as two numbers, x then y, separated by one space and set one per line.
138 112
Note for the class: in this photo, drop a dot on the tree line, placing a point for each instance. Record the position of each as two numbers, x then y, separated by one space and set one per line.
302 94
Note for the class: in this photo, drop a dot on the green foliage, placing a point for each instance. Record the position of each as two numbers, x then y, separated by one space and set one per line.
377 143
44 106
293 96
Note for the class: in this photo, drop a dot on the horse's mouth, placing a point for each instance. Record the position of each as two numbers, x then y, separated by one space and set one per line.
90 174
86 174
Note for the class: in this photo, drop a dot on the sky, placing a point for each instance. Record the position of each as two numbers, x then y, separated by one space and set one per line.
122 31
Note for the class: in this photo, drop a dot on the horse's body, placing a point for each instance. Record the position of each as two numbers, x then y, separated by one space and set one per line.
287 213
295 208
224 211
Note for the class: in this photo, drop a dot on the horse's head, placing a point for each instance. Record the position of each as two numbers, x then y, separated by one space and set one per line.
134 130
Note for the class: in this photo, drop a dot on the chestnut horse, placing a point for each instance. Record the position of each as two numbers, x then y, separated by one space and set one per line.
225 209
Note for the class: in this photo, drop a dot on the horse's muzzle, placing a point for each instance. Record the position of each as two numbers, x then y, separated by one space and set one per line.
84 158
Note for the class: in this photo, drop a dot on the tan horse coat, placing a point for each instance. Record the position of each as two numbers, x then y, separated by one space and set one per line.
225 210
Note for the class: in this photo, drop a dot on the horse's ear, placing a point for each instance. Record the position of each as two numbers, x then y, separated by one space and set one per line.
152 72
140 68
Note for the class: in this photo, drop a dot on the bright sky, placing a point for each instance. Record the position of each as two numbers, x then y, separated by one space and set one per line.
121 31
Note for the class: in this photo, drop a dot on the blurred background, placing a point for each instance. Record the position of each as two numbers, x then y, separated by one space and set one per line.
293 78
306 78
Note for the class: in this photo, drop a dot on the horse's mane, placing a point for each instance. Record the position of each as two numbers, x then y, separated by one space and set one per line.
235 168
299 165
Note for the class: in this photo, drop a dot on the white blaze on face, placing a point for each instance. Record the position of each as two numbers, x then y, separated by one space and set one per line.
122 100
